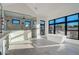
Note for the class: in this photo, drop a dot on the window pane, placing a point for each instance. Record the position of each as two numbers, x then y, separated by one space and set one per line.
60 20
72 30
51 29
72 18
42 22
60 29
42 27
51 22
27 24
15 21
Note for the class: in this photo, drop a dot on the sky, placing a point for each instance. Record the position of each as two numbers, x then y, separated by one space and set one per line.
69 18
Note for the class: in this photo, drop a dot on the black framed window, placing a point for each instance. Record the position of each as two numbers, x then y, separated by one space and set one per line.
72 26
51 22
60 28
15 21
42 27
51 26
67 25
72 17
72 30
27 24
60 20
51 29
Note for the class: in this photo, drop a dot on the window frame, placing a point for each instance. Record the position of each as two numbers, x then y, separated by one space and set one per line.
51 25
41 25
49 22
66 23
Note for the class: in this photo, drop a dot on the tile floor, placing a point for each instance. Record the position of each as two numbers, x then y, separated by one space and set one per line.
45 47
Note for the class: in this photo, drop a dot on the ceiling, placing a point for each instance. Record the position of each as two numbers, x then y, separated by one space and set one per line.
17 9
50 10
54 10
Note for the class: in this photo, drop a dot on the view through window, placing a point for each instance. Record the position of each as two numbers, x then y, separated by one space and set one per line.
60 29
51 26
67 25
42 27
72 30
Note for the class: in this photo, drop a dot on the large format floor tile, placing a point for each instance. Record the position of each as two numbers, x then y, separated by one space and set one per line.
47 48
